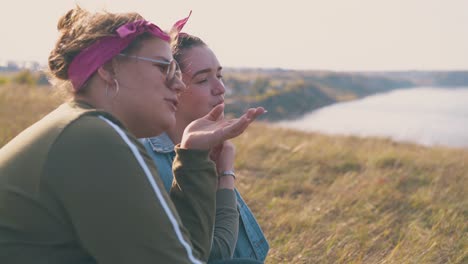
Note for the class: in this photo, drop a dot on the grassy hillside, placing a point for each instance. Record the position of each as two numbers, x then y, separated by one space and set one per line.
290 94
327 199
323 199
293 101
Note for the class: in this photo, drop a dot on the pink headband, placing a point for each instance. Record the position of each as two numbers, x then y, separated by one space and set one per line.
94 56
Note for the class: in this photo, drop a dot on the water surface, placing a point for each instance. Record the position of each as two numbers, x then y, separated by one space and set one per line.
425 115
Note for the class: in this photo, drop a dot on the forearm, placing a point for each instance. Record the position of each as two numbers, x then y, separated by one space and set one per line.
226 225
194 196
226 182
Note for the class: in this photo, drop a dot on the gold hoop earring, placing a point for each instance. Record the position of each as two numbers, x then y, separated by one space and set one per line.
117 87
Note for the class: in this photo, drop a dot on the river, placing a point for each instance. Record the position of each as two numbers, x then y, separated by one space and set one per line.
425 115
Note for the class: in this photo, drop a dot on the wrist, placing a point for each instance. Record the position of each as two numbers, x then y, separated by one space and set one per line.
227 173
226 179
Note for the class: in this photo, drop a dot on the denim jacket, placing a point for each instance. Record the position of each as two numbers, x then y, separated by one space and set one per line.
251 242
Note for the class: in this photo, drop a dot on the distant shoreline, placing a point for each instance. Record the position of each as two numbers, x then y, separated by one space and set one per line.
428 116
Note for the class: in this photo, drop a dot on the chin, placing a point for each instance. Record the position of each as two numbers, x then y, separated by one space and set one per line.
168 123
156 128
202 113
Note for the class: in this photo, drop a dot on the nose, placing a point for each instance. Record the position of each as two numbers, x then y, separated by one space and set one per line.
177 85
218 87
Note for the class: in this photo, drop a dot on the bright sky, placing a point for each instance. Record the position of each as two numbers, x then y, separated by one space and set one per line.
295 34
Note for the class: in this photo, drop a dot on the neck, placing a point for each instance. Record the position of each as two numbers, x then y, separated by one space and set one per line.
96 101
176 132
95 96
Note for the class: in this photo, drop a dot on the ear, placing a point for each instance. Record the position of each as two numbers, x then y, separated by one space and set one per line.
107 71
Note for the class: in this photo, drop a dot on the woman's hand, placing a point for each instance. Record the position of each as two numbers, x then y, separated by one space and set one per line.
211 130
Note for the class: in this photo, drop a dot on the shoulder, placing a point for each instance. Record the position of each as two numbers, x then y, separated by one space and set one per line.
160 144
93 149
162 161
94 129
95 136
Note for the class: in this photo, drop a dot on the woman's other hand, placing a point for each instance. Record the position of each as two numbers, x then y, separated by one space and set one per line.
224 155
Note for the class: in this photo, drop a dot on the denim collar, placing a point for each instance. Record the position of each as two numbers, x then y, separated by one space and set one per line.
161 143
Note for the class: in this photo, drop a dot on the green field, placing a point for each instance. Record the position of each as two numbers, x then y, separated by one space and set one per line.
323 199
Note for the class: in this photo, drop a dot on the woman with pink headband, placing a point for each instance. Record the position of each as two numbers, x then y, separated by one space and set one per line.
78 187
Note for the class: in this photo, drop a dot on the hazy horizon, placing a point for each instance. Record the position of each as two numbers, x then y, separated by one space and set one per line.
333 35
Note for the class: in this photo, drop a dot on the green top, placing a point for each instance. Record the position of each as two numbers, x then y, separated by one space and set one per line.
77 187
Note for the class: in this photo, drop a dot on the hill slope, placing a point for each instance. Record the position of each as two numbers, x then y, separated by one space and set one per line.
289 94
324 199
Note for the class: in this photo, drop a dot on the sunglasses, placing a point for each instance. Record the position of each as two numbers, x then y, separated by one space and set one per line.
171 68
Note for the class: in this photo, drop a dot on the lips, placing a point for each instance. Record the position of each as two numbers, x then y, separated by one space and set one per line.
218 103
172 102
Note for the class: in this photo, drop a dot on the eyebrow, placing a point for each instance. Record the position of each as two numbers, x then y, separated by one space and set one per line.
206 71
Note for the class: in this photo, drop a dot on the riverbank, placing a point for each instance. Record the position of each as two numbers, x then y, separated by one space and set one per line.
428 116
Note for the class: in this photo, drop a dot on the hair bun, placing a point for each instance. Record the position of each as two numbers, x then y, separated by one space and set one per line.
66 22
60 57
78 29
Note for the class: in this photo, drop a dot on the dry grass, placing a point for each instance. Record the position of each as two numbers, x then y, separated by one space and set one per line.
327 199
21 106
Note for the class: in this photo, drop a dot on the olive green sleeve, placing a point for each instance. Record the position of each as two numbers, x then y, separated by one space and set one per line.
186 180
226 225
116 203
